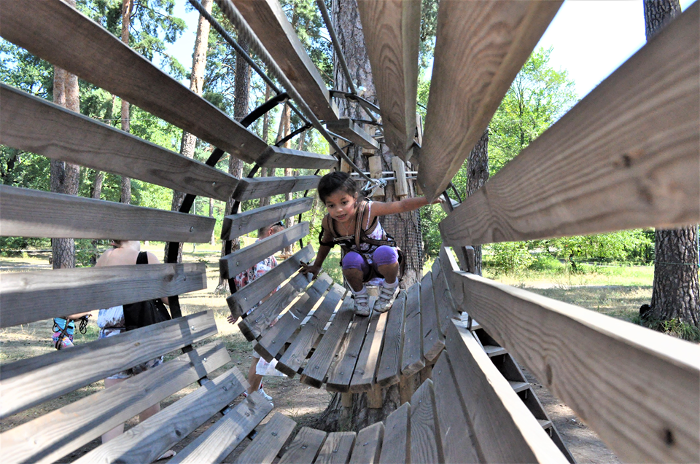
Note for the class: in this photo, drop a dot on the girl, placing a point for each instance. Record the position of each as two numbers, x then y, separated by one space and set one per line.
371 255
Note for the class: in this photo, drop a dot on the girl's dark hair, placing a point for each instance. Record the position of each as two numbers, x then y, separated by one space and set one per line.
335 181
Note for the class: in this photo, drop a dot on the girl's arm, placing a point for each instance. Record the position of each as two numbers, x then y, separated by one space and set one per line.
315 268
393 207
153 259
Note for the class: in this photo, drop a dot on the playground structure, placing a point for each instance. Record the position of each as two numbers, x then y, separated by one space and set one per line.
626 156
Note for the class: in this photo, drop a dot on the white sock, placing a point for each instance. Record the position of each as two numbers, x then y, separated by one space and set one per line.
361 292
388 285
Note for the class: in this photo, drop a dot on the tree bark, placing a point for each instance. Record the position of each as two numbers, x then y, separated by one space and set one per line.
127 7
478 174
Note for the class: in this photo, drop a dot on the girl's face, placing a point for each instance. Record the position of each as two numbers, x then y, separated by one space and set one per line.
341 205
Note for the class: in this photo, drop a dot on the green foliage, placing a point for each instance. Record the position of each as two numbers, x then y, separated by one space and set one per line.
431 216
508 256
673 327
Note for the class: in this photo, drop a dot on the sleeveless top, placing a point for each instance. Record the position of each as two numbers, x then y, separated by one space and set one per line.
364 241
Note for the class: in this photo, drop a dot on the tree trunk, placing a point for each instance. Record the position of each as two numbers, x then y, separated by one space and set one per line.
127 6
478 174
264 172
283 131
675 292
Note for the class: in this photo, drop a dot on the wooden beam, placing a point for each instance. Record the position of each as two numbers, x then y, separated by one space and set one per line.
258 187
305 446
626 156
412 358
241 224
597 363
392 33
397 436
267 443
33 296
270 24
352 131
275 157
340 374
389 371
426 445
479 49
337 448
32 213
368 444
363 378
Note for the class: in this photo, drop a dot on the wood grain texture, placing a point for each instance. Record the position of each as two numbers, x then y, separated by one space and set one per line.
397 436
412 354
310 332
275 157
32 296
36 125
626 156
32 213
597 363
449 266
433 339
268 443
392 33
389 370
305 447
494 410
152 437
59 432
236 225
337 448
340 375
258 187
479 49
219 440
426 446
234 263
61 35
444 303
247 297
24 385
352 131
368 445
363 378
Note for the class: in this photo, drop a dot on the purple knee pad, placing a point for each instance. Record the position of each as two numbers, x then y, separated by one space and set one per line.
353 260
385 255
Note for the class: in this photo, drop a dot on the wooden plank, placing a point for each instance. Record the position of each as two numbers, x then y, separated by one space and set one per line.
24 385
241 224
152 437
340 375
389 371
426 446
449 266
375 171
336 449
444 303
397 436
456 433
368 445
392 34
296 353
268 443
61 35
641 123
32 213
412 357
315 371
234 263
479 49
258 187
635 374
364 375
275 338
496 413
433 339
39 126
61 291
400 184
349 129
219 440
305 447
245 298
270 24
275 157
57 433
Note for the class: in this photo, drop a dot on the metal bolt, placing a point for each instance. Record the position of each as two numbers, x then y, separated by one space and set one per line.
274 434
303 447
192 229
213 184
192 328
237 263
204 360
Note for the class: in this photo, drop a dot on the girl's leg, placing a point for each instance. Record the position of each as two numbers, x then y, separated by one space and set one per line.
119 429
354 269
386 259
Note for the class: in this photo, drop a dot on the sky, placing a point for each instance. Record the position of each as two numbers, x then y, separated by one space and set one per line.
589 38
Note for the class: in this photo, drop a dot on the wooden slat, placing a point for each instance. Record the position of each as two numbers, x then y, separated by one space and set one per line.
275 157
24 385
340 375
291 361
392 34
270 24
150 438
305 447
275 338
389 371
240 224
496 413
64 37
247 297
61 431
219 440
36 125
258 187
479 49
240 260
449 265
336 449
412 357
268 443
426 446
32 296
352 131
397 436
456 433
317 367
364 374
433 339
368 445
32 213
594 363
444 303
626 156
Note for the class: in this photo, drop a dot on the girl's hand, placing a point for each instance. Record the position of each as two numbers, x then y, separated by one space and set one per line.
307 268
439 199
